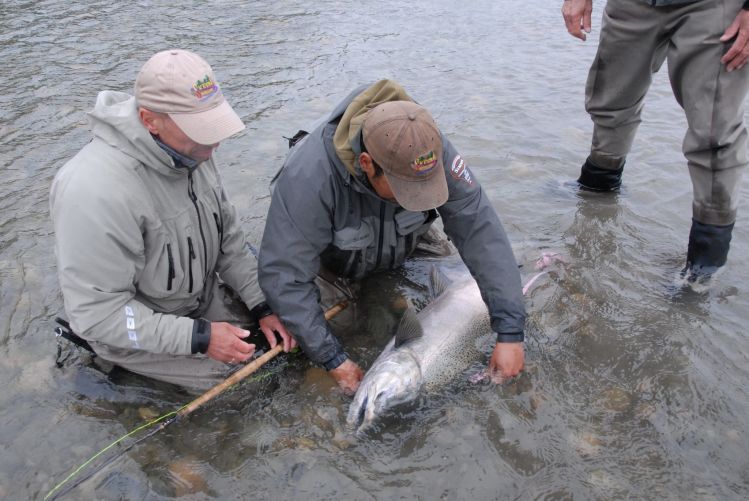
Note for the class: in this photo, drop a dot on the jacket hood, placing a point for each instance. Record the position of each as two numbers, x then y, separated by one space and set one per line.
347 135
115 121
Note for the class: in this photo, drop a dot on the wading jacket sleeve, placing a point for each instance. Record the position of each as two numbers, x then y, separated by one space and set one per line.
321 214
298 229
139 242
474 227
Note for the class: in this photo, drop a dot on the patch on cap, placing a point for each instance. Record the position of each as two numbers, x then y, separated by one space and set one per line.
425 163
205 88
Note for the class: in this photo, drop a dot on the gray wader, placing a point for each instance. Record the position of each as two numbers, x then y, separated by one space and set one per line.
635 41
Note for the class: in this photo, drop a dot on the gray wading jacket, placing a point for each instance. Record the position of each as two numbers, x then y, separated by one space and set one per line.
321 213
138 240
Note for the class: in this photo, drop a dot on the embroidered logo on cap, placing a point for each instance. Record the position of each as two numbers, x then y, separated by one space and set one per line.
425 163
203 89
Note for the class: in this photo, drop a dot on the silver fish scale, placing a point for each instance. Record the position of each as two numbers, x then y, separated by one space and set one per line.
451 325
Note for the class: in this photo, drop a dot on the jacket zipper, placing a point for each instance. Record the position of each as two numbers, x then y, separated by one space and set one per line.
192 256
219 224
382 235
194 198
220 228
170 276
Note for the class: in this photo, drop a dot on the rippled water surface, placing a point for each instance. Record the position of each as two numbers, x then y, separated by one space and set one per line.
631 390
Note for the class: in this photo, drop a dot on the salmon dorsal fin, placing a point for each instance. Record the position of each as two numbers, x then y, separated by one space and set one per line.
409 328
438 282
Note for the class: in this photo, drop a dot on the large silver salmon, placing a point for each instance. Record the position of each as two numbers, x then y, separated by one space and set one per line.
430 347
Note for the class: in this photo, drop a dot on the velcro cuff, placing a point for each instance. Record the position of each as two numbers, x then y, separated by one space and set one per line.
262 310
510 337
201 335
335 361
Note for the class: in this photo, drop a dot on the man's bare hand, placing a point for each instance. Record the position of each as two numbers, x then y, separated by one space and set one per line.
348 375
508 360
226 344
271 324
577 14
737 55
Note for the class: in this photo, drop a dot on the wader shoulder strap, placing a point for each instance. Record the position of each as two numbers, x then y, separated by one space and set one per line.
301 134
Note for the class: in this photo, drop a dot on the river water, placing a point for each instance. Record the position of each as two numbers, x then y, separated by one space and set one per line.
631 390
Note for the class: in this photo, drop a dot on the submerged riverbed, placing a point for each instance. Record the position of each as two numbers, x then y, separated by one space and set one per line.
631 390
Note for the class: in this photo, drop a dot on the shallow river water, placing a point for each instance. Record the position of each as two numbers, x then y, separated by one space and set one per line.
631 390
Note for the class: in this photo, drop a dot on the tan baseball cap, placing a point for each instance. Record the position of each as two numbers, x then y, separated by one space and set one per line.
404 141
181 84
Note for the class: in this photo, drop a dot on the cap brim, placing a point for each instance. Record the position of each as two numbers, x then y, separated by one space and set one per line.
422 194
210 126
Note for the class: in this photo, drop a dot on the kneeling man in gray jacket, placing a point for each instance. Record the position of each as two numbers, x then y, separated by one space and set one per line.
357 195
147 242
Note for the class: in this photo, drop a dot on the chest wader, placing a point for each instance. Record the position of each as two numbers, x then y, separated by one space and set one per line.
636 38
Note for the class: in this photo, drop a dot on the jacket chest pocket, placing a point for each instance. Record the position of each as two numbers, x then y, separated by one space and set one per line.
164 270
355 242
175 262
353 238
409 226
407 222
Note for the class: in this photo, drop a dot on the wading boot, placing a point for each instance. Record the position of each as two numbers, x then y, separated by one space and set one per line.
707 251
595 178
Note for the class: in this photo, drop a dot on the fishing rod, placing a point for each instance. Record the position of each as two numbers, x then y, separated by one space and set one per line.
177 415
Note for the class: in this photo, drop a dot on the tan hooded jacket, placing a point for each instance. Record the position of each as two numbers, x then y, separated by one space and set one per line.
139 242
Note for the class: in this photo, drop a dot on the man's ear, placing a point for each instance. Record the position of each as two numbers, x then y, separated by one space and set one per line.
150 120
367 164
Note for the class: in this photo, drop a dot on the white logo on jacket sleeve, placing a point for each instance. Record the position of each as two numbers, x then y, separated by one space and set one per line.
134 338
130 325
459 170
